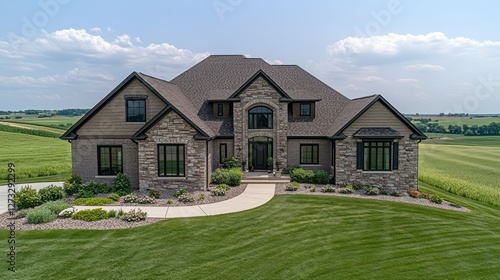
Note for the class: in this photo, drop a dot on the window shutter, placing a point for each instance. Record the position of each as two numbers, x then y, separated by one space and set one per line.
395 156
359 153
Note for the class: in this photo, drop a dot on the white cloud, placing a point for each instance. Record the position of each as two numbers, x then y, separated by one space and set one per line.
409 81
424 67
393 44
373 79
96 30
274 61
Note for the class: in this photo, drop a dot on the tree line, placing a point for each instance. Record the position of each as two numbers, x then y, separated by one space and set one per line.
468 130
48 113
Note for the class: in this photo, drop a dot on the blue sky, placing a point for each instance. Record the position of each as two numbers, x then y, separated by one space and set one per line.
423 56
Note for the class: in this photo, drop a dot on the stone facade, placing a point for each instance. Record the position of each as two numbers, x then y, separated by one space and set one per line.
405 177
261 93
172 129
84 158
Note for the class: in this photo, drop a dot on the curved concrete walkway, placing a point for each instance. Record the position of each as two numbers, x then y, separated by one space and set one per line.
254 195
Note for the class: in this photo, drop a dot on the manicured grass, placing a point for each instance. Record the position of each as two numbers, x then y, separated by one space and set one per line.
291 237
34 156
458 139
470 171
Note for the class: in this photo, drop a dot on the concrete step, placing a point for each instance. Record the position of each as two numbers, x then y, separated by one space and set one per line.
264 181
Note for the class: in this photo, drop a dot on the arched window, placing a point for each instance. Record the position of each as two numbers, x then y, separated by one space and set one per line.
260 117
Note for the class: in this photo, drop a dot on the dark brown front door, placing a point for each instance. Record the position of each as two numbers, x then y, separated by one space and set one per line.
260 154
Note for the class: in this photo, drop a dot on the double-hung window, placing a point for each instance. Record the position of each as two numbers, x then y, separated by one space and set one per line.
136 110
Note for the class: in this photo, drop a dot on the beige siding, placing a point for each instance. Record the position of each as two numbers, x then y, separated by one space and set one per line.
378 116
325 153
111 119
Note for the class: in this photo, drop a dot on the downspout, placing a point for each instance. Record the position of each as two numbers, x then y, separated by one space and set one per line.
334 161
206 160
418 150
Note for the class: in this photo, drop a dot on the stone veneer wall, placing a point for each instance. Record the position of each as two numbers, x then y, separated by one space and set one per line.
84 158
261 93
172 129
402 179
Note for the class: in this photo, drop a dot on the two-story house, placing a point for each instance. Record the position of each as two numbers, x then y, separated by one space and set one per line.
173 134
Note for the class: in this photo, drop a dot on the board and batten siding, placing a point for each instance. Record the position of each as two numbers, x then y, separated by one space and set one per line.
111 119
378 116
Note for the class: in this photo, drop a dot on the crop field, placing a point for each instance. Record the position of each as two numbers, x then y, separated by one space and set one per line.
463 167
445 121
59 122
34 156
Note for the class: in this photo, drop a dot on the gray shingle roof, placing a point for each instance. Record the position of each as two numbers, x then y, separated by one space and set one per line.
219 76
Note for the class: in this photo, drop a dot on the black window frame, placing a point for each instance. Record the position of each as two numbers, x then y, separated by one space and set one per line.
313 148
222 147
128 107
376 148
220 109
180 168
110 159
260 120
309 106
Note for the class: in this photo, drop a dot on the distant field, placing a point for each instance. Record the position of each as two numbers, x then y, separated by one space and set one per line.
458 139
446 121
59 122
34 156
468 166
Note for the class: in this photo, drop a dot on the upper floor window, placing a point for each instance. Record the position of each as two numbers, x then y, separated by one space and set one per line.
136 110
305 109
260 118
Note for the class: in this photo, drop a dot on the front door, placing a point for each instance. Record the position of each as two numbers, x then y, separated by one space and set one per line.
259 155
259 149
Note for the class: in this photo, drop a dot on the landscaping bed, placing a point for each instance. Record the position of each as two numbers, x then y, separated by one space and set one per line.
316 189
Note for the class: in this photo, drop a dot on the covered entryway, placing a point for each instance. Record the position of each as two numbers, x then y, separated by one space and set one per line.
259 149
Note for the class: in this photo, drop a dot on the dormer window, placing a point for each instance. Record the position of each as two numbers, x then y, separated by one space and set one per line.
305 109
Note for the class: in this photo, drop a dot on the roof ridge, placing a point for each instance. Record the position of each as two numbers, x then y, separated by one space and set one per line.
363 97
156 78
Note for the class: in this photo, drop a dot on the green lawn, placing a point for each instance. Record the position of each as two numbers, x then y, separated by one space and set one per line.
59 122
291 237
34 156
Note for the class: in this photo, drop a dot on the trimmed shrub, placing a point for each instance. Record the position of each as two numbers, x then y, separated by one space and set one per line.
134 215
121 184
201 197
130 198
169 201
93 201
347 190
396 194
231 177
231 163
328 189
146 200
56 206
218 192
27 198
72 184
22 213
40 215
84 194
186 197
51 193
180 192
293 186
357 186
66 213
372 191
154 194
413 193
313 189
301 175
91 215
114 196
436 199
321 177
95 187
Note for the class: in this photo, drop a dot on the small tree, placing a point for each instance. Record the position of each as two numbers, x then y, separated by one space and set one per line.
122 185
